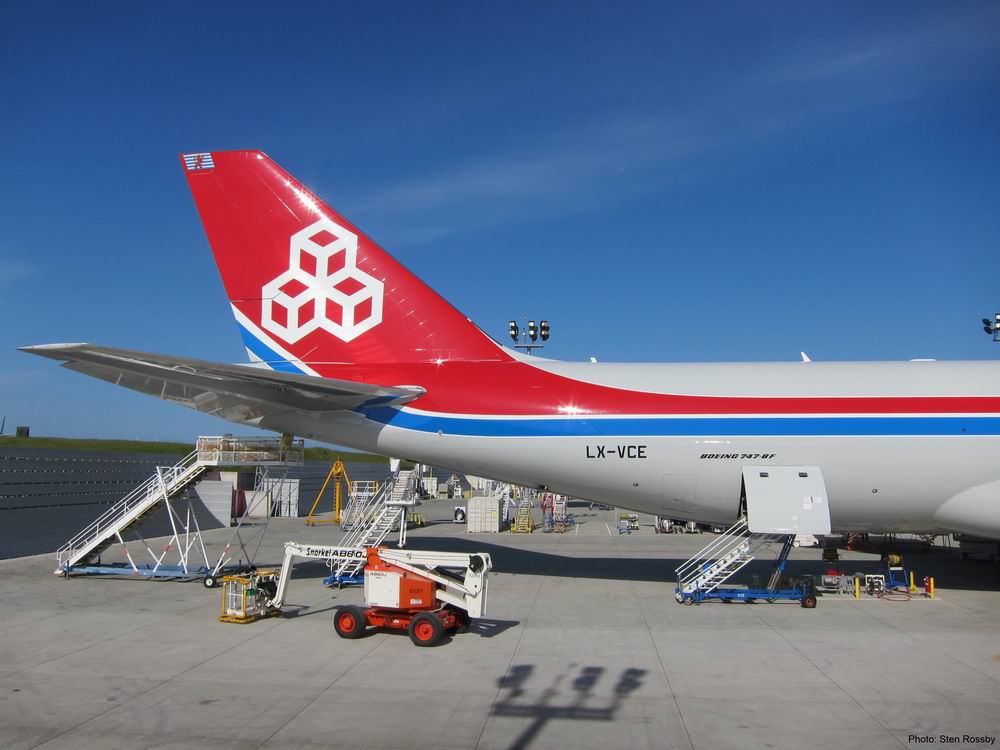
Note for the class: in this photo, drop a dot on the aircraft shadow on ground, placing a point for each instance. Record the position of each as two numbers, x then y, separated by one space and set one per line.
947 568
568 696
944 565
484 627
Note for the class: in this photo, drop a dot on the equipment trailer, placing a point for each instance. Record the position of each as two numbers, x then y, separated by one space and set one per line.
423 593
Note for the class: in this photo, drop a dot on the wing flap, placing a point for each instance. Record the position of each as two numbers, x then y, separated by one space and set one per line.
239 393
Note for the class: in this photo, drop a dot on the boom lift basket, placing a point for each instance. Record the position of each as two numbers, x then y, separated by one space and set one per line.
245 596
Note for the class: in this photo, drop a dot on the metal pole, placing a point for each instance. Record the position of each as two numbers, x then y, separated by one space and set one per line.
127 555
170 514
336 497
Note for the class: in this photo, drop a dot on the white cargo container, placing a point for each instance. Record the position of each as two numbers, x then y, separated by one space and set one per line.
283 496
484 515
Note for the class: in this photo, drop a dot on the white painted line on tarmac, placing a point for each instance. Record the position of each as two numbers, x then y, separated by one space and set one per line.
576 529
608 528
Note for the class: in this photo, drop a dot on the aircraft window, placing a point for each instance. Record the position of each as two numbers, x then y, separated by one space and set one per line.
803 474
764 474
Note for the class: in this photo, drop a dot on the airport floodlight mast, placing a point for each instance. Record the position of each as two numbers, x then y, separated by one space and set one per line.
530 335
990 327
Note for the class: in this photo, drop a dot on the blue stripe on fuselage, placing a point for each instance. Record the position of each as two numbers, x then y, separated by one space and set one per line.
686 426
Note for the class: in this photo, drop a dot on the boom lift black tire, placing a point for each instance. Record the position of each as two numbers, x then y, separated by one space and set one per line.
209 581
425 630
350 622
809 601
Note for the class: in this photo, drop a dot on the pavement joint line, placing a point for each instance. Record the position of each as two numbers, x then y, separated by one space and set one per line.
513 655
32 622
322 692
659 658
91 645
919 640
819 669
154 687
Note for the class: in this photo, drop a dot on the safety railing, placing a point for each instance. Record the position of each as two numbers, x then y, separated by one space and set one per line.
226 449
719 548
359 503
143 495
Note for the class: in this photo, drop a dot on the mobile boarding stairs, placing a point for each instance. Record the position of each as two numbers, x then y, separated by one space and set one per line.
780 502
165 488
369 519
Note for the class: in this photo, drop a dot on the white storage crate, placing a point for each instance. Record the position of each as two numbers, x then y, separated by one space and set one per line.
484 515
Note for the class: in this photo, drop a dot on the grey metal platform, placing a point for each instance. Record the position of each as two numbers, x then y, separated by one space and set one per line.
584 647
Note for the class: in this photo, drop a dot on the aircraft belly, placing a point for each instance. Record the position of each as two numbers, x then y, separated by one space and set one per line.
874 483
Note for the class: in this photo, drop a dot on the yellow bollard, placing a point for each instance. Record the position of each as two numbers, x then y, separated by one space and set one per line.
913 586
930 587
857 587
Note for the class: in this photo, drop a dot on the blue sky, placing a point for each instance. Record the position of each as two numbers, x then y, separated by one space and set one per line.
661 181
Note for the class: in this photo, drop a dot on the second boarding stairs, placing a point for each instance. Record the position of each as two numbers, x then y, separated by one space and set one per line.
720 560
373 519
780 502
167 483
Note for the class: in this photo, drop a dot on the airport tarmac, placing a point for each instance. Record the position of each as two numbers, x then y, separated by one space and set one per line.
583 646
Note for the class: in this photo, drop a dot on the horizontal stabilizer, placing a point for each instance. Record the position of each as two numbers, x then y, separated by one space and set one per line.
239 393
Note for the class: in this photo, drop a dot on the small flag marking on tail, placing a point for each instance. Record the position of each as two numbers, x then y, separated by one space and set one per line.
194 162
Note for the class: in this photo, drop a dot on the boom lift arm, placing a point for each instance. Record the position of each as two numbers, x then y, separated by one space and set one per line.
295 550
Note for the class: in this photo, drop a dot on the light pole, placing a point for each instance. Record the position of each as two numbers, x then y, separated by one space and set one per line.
531 334
992 327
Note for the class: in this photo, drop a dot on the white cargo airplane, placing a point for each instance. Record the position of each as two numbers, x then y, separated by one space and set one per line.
349 347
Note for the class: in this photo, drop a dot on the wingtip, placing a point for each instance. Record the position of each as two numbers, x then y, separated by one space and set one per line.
49 350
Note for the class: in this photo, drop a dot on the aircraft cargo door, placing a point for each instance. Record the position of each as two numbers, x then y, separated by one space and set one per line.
786 500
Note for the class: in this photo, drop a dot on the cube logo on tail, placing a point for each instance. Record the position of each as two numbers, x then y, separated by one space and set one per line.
323 288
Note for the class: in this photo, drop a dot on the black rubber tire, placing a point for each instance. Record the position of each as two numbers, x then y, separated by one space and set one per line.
425 630
270 588
209 582
350 622
809 602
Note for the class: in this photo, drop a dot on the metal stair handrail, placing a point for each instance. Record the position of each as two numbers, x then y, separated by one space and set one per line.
371 536
403 492
379 523
721 559
364 514
141 495
363 491
731 538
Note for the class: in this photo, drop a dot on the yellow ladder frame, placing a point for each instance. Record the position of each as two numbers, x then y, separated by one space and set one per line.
337 472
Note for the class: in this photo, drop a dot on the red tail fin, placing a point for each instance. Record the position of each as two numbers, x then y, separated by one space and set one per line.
306 285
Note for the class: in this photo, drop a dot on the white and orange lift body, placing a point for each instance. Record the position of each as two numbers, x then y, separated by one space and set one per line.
424 593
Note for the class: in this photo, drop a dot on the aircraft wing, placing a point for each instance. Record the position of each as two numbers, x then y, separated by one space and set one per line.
239 393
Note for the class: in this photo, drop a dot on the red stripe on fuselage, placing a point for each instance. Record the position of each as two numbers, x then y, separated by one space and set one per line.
516 388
